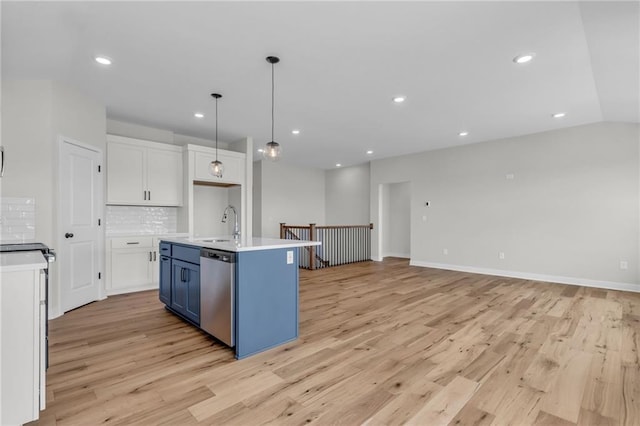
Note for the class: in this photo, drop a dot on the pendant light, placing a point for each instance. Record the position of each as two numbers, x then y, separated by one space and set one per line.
272 151
216 167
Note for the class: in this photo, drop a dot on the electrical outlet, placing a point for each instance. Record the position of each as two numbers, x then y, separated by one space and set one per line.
289 257
501 255
445 251
510 176
624 264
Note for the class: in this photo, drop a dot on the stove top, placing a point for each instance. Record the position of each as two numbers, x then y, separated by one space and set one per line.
23 247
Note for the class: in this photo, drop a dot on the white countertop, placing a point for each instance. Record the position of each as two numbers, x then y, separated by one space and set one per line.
243 244
22 261
117 234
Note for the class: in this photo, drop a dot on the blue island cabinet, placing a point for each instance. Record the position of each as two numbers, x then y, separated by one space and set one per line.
266 300
185 290
180 280
265 293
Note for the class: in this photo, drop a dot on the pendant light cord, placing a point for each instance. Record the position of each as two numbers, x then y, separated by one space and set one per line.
272 102
216 129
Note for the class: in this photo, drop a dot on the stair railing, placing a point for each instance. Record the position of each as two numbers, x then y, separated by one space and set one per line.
341 244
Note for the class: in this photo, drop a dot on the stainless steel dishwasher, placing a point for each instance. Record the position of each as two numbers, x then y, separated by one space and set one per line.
217 279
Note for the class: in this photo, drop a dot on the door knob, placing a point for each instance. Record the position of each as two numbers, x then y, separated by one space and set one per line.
68 235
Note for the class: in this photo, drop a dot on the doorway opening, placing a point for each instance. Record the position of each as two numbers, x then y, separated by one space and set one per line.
395 220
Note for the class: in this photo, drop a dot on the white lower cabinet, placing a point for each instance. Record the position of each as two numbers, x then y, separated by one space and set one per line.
132 264
22 394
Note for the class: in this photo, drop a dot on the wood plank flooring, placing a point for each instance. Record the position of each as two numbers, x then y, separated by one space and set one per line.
380 344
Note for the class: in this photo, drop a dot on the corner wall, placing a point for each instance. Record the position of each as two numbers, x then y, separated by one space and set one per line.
35 113
561 205
289 194
347 195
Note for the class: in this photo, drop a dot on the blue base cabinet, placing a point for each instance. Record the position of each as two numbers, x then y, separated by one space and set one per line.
180 280
265 294
185 289
165 280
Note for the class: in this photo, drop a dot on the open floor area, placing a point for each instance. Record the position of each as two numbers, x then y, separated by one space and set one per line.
380 343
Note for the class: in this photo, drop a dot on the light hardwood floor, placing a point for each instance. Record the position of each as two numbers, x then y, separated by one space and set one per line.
380 343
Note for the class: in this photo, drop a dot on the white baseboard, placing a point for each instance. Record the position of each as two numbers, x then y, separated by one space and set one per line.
609 285
401 255
115 292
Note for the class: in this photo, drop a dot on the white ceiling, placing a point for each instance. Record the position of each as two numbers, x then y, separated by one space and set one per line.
341 64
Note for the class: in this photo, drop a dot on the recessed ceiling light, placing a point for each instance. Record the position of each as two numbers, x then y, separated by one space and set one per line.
369 152
463 133
198 115
260 150
295 131
338 165
559 114
103 60
399 99
523 59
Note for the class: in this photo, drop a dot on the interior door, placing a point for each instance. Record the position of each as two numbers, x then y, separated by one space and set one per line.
80 248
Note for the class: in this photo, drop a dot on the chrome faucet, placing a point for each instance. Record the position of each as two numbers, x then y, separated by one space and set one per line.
236 228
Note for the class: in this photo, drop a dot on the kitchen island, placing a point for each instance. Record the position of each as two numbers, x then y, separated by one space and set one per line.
242 292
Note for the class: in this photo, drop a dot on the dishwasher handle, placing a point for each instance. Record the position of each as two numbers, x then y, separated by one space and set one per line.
219 255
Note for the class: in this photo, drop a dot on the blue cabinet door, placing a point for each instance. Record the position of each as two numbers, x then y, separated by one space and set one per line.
193 292
165 280
178 288
185 289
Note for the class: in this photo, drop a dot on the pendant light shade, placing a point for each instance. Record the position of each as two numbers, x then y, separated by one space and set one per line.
216 168
273 150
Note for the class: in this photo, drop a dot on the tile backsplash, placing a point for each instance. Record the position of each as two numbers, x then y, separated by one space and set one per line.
17 219
141 220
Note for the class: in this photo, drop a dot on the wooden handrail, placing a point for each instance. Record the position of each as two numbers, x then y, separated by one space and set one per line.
284 225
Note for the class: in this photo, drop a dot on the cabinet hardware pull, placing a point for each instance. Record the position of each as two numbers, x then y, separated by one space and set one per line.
133 242
144 194
149 195
154 256
150 258
2 166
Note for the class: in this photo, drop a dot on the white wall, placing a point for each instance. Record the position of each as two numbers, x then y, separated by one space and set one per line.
137 131
569 213
28 141
34 115
209 203
289 194
396 220
347 195
257 198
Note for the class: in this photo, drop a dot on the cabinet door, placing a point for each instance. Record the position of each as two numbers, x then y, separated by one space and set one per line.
233 168
130 268
185 290
193 290
164 177
178 287
165 280
125 174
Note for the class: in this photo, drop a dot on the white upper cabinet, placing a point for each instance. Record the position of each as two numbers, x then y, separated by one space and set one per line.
143 173
233 162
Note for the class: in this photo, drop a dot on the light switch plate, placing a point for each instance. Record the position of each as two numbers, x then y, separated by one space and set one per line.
289 257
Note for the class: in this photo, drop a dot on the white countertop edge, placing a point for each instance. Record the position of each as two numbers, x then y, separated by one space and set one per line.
255 244
133 235
22 261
